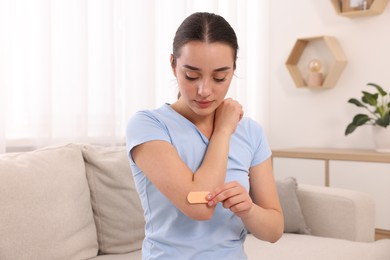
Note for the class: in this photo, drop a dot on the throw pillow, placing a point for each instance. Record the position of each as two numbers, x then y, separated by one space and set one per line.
294 221
45 208
117 209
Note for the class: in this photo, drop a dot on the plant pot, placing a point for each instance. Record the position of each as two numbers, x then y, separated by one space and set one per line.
381 138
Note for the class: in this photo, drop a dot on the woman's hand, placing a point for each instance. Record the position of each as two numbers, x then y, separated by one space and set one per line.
233 196
227 115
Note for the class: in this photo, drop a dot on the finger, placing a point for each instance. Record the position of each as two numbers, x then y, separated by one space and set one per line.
241 209
234 200
223 188
241 115
225 192
239 204
227 186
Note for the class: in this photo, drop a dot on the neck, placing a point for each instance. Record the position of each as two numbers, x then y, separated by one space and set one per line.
205 124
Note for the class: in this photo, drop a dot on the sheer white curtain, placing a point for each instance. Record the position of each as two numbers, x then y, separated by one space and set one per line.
76 70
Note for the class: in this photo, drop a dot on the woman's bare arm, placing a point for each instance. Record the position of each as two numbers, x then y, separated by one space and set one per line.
260 210
265 221
161 163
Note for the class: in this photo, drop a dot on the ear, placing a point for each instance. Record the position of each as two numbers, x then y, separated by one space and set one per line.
173 64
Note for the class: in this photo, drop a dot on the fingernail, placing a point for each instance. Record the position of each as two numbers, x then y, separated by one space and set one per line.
209 196
210 203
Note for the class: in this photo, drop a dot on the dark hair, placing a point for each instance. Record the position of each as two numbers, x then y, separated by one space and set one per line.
204 27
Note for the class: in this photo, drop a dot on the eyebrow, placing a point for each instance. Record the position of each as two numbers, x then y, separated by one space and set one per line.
198 69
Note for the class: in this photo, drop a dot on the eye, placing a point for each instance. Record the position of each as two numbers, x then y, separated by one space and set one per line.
219 79
191 78
191 75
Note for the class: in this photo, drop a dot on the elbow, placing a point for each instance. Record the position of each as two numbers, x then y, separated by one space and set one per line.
271 238
276 237
273 234
278 231
277 234
274 240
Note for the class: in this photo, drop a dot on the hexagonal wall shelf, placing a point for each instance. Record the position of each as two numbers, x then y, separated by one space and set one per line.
373 7
324 49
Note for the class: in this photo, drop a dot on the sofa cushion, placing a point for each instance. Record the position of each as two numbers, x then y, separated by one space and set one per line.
294 221
45 208
117 209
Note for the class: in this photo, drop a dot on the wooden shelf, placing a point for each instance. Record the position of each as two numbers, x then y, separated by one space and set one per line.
377 7
333 154
325 46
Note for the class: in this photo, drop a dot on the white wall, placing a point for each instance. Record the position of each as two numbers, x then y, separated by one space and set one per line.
316 118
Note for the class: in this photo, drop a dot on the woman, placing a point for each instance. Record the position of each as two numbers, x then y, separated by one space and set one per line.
202 142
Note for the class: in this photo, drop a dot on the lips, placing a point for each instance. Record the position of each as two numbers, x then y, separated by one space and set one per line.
203 103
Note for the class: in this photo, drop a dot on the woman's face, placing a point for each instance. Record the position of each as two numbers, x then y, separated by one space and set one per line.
204 72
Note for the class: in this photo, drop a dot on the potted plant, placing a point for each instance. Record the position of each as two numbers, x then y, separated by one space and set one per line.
377 104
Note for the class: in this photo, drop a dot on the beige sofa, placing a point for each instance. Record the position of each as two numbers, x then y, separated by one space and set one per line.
78 201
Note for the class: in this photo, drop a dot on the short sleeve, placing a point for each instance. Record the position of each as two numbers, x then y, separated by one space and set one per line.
261 148
144 127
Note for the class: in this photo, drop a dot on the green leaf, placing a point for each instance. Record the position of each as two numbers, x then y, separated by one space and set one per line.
380 89
350 128
369 98
357 121
360 119
356 102
378 106
381 111
385 121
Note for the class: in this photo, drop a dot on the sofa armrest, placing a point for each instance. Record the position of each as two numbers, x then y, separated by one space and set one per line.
338 213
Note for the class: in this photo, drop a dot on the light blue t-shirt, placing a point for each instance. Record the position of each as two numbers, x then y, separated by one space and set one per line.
169 234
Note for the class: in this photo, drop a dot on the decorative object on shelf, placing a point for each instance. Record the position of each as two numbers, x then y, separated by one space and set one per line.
329 55
378 106
381 138
359 8
315 76
355 5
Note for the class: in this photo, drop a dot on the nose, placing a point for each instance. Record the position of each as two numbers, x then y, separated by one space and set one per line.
204 89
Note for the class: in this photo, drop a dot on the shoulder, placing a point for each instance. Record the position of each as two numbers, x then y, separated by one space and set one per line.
146 122
143 117
250 127
145 126
254 135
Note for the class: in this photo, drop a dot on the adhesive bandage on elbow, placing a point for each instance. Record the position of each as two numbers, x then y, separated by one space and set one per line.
197 197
